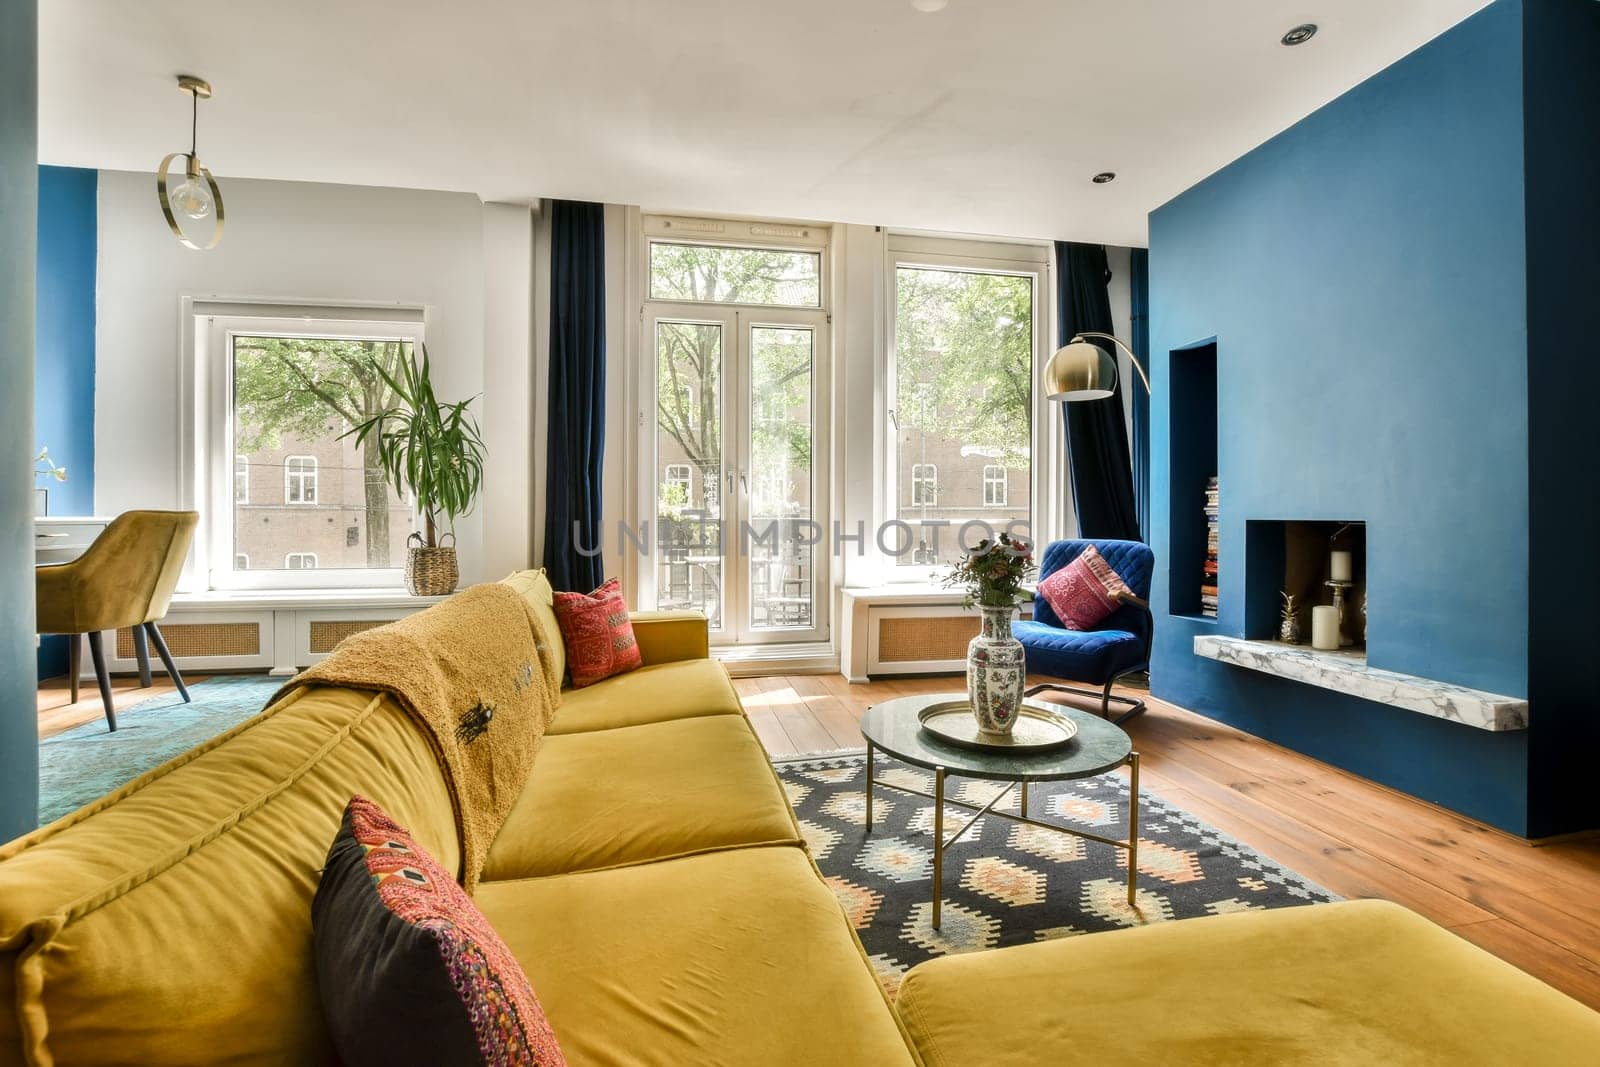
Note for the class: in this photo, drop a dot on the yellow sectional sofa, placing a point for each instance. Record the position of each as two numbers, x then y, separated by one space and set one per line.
652 881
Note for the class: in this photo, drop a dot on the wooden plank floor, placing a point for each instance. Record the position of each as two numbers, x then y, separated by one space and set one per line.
57 712
1536 906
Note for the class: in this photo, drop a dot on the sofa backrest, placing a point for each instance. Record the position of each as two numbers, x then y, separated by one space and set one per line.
534 587
171 922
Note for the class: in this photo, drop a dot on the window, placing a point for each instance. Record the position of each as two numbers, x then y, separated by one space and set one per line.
775 277
281 389
964 344
678 490
736 312
300 480
994 486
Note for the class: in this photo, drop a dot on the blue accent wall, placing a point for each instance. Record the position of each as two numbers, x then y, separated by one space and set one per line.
1365 276
63 383
19 155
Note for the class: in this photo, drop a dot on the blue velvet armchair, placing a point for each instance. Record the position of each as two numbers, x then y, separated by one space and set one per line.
1121 645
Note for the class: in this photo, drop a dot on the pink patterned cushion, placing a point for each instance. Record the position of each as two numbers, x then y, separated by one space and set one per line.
597 633
1085 591
409 970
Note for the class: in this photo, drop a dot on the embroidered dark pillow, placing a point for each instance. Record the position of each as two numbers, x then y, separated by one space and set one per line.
409 970
597 633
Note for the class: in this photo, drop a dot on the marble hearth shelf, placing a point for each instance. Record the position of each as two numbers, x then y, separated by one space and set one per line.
1345 672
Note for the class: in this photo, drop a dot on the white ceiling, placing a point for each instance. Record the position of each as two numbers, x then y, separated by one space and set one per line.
987 117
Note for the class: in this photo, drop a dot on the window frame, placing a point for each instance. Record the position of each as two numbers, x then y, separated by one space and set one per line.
311 476
805 237
312 556
241 483
214 324
1021 259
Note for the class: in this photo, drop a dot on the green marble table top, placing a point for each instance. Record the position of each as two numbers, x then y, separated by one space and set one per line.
893 726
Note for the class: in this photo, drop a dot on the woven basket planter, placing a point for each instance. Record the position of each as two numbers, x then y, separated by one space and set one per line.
430 571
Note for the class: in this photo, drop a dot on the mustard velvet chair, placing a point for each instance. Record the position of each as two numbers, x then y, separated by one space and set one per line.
125 578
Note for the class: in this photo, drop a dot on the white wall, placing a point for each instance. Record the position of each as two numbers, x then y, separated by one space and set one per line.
507 410
293 242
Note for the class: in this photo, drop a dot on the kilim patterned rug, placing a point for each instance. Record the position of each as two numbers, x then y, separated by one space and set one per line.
1008 883
85 763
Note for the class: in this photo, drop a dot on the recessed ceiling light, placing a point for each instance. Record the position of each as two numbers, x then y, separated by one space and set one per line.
1104 176
1300 34
928 7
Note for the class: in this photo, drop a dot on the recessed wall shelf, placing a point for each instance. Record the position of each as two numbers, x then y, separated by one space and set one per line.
1347 672
1192 385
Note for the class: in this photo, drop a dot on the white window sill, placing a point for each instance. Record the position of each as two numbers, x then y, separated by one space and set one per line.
300 598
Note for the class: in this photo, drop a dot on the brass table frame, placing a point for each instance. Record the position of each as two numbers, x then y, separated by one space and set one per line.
1130 846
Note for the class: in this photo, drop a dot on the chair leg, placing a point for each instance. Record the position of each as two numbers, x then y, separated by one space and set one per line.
166 659
141 651
1106 697
74 661
104 678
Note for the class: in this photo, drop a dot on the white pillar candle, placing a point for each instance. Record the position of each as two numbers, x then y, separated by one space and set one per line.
1325 627
1340 568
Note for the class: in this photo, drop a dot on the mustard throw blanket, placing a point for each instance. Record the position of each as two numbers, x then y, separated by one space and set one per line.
469 672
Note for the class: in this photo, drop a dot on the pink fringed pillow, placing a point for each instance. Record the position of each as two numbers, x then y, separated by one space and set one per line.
1085 591
597 633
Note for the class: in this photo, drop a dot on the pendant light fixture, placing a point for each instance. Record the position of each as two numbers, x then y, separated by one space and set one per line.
197 197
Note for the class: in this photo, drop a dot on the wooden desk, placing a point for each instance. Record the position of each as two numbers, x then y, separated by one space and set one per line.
62 538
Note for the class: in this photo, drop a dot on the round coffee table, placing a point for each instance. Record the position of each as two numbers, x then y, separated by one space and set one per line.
1099 746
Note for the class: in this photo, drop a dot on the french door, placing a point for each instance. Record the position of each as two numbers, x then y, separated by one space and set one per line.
736 446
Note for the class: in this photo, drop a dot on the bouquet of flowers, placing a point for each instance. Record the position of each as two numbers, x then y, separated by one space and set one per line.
991 573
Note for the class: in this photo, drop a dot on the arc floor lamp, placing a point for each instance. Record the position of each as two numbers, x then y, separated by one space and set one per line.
1078 371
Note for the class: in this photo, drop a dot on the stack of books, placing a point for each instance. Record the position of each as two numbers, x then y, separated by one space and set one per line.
1208 585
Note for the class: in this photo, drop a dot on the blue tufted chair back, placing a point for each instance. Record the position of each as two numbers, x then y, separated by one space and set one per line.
1133 560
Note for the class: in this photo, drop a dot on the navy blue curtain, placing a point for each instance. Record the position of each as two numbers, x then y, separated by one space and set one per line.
1140 271
1097 436
572 533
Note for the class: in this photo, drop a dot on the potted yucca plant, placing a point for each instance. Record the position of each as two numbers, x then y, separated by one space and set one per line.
434 451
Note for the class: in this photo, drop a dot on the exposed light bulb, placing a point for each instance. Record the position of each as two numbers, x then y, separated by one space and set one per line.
192 199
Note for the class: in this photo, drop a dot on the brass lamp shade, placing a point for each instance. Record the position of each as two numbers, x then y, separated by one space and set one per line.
1080 371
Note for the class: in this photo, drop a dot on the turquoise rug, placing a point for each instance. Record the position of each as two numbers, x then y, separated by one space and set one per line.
85 763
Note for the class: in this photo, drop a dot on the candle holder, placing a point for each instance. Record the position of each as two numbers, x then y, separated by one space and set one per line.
1338 588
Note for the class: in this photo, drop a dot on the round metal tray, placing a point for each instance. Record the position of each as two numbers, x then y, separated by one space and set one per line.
1038 728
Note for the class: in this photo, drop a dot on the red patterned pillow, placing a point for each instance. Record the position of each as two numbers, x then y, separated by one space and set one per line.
597 633
1085 591
409 970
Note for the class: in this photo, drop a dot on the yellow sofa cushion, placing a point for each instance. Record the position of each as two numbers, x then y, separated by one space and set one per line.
171 922
660 693
534 587
1364 982
638 793
739 957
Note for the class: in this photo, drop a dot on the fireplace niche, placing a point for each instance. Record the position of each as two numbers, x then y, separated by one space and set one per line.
1296 556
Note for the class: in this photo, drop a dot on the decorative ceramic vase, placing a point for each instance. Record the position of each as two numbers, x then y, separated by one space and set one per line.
996 669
